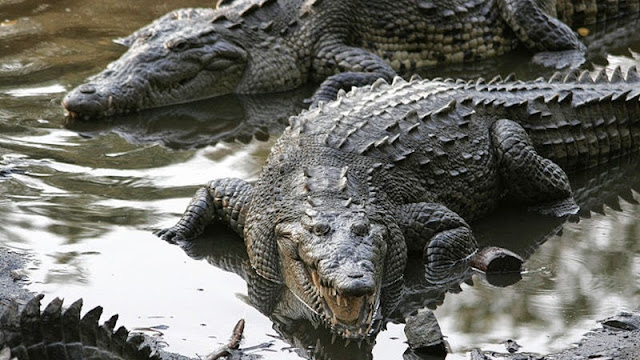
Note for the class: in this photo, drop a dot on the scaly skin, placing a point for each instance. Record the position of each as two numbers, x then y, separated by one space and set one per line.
353 186
63 335
257 46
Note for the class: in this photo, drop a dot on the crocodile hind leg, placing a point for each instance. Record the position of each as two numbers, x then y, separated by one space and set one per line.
445 239
528 176
223 199
533 24
356 66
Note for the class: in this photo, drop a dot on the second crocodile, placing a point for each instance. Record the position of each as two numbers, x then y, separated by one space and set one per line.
258 46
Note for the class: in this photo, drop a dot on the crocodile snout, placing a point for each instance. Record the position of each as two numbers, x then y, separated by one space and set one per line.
353 279
360 285
86 101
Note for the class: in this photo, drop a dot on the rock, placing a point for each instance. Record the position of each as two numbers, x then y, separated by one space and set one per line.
622 321
424 335
512 346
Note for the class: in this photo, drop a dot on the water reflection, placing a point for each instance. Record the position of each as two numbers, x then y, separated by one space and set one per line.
567 276
206 122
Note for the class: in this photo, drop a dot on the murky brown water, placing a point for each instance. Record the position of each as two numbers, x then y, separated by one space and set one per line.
83 201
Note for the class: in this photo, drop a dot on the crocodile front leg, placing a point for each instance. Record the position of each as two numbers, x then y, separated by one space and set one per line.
528 176
532 23
445 239
221 199
357 67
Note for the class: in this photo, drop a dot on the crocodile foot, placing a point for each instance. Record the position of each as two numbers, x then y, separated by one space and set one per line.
173 235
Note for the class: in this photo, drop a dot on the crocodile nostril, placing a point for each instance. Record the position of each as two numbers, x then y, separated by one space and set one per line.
360 286
87 89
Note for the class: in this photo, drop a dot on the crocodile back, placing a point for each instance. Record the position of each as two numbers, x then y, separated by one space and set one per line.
429 140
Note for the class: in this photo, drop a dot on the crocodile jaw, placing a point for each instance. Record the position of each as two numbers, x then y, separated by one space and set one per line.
349 316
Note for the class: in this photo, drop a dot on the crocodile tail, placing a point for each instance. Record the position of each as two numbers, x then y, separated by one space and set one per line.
63 335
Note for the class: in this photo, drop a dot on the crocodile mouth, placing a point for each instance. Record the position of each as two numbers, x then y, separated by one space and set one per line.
349 316
89 101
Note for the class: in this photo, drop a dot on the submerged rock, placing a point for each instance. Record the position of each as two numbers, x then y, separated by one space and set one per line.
424 335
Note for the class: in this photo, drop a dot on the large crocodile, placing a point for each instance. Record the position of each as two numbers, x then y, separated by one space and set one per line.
592 190
354 186
254 46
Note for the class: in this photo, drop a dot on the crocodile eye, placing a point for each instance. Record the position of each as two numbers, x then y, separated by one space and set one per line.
177 45
360 229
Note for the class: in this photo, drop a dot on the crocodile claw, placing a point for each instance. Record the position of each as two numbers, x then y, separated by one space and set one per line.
172 235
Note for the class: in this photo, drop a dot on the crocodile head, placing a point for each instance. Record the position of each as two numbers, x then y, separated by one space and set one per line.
177 58
335 263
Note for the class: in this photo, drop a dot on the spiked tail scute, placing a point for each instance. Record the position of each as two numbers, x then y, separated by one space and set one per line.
496 80
617 75
415 78
510 78
632 74
572 76
555 78
585 78
602 76
379 84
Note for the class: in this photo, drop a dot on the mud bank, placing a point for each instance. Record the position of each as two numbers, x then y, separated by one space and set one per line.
11 281
618 338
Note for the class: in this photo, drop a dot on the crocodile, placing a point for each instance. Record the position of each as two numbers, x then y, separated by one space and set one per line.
64 335
354 186
257 46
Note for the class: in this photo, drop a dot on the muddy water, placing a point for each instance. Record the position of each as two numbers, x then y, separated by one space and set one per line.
82 201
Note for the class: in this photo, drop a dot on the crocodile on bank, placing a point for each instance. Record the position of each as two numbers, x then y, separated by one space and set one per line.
356 185
256 46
